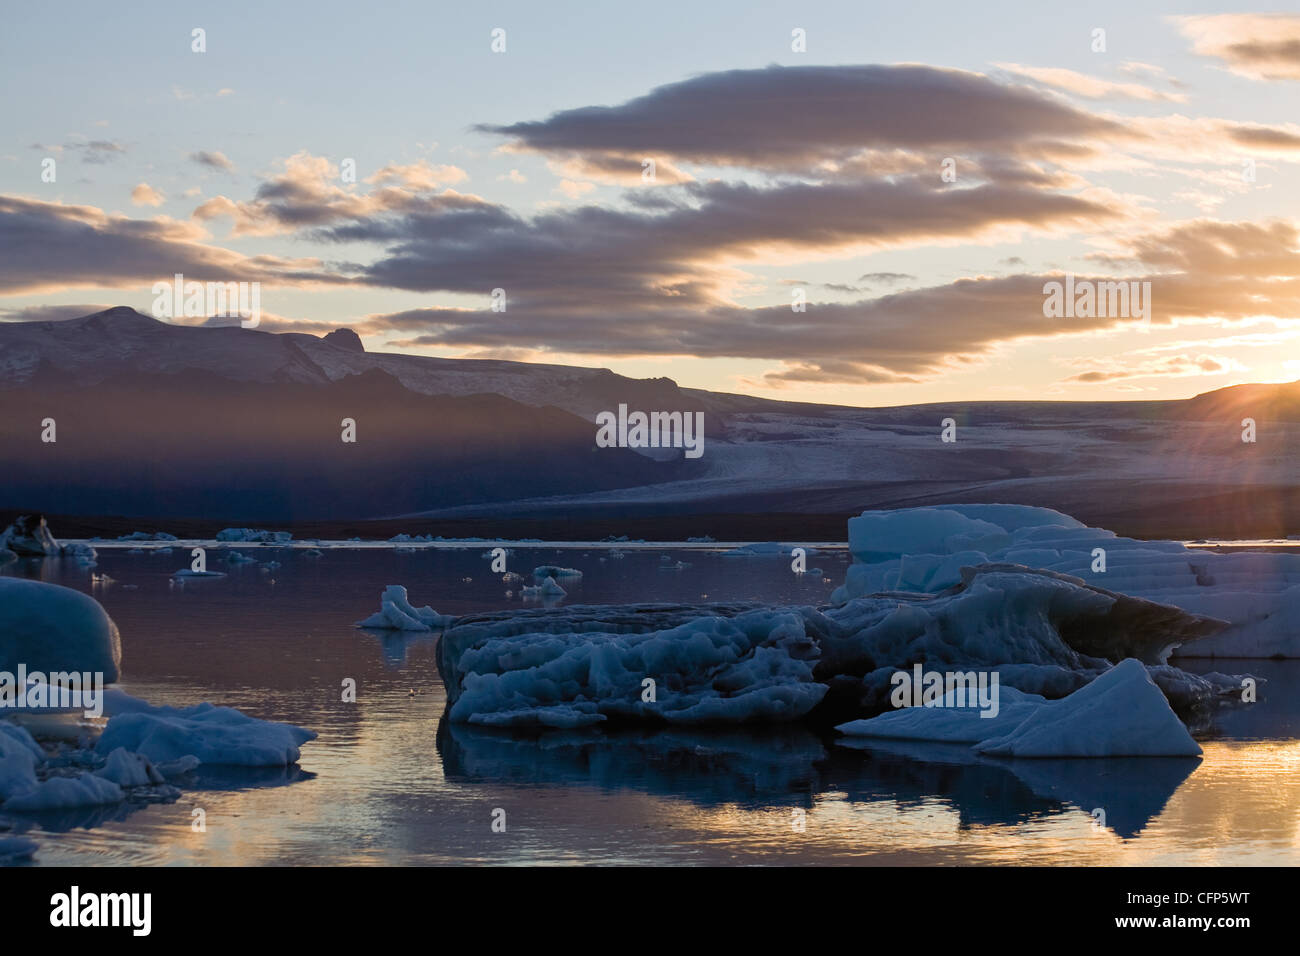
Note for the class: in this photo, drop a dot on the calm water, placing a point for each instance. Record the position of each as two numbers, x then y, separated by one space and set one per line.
388 782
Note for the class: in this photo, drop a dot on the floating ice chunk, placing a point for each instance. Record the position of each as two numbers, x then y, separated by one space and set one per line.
52 628
1122 713
236 557
756 667
925 549
81 552
554 571
29 535
130 770
61 793
396 614
191 573
949 723
213 735
548 588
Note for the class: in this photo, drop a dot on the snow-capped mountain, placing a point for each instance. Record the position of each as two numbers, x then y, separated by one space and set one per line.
158 419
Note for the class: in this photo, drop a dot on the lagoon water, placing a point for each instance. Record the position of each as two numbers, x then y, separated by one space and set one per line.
389 782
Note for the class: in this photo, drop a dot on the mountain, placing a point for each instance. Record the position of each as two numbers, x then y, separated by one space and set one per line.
242 425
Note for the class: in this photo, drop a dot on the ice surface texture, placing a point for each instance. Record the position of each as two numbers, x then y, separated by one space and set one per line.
925 549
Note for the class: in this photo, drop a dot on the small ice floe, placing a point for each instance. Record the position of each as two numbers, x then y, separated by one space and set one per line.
135 551
175 740
396 614
145 536
185 573
557 572
29 536
81 552
312 553
703 539
237 557
668 564
548 588
271 565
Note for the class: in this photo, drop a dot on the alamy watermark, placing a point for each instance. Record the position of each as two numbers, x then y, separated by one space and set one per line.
922 688
1089 298
202 300
58 690
654 430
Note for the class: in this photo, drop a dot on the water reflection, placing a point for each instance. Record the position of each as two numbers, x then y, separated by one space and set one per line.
791 768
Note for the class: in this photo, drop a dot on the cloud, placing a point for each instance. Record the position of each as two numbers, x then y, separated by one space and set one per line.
800 117
146 195
1090 87
99 250
1177 366
309 194
49 313
1260 46
213 159
419 176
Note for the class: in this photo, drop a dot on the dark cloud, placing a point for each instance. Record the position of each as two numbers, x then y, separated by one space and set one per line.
797 117
53 246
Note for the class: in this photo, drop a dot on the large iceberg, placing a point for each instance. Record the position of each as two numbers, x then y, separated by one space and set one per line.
1045 634
51 628
923 550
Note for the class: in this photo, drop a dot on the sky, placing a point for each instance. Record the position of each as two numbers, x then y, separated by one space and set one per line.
850 203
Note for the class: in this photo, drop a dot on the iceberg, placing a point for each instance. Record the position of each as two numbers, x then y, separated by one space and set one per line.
209 734
1045 634
924 550
29 536
51 628
396 614
548 588
554 571
1121 713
